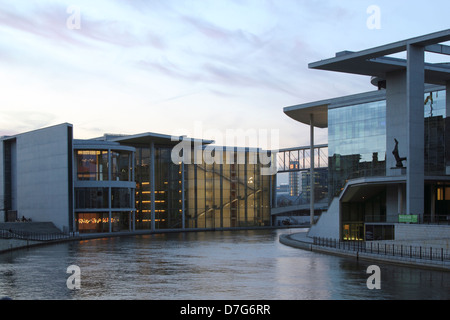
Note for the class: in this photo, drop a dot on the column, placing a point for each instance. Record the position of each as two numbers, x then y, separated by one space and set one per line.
311 170
415 87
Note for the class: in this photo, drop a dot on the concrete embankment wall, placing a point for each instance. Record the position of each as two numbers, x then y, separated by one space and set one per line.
11 244
35 227
290 240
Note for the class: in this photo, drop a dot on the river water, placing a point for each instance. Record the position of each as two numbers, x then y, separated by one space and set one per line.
225 265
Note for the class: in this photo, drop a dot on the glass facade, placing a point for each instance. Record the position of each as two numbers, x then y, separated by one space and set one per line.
91 198
92 165
144 189
215 195
228 195
356 143
436 159
103 190
167 184
357 148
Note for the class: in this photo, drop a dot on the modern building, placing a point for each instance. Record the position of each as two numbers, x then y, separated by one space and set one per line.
130 183
389 149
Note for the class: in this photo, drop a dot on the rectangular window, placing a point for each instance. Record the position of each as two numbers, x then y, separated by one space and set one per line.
120 166
92 165
91 198
120 198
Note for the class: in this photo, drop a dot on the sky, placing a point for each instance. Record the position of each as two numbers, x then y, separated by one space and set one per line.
198 67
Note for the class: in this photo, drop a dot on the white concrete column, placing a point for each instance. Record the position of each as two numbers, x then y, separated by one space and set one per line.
415 87
396 121
311 169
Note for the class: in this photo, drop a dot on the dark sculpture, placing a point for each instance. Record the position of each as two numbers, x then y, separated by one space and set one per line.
397 157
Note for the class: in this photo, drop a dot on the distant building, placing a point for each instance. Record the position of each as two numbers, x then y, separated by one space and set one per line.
294 181
320 184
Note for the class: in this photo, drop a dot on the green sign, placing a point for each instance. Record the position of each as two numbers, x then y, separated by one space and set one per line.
411 218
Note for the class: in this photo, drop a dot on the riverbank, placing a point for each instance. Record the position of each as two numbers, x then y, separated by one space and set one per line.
300 240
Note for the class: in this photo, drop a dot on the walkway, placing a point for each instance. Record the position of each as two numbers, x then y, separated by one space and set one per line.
302 241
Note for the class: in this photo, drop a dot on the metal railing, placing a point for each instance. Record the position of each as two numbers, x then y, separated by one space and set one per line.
32 236
387 249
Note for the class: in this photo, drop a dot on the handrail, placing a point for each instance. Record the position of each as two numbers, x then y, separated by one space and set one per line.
387 249
33 236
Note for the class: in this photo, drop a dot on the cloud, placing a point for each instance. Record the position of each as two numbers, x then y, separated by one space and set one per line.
17 121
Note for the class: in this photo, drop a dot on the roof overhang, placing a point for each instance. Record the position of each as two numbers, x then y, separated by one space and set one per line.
319 109
156 138
375 62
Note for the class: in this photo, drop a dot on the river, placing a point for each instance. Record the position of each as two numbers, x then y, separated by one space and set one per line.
225 265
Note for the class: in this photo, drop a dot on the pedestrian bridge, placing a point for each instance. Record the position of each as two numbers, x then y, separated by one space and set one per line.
299 159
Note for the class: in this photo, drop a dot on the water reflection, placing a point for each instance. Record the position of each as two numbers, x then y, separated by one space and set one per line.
205 265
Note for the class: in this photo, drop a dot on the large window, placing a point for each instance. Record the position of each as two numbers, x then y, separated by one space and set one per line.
357 143
228 195
91 198
357 140
92 222
92 165
120 198
120 166
435 127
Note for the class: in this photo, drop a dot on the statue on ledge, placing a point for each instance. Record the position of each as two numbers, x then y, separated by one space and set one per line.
397 157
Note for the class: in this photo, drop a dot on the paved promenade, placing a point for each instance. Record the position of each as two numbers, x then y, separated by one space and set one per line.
300 240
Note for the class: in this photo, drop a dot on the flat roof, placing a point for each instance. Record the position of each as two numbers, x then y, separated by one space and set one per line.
319 109
148 137
374 63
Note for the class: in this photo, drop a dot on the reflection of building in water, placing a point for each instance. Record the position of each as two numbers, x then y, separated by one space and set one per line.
320 184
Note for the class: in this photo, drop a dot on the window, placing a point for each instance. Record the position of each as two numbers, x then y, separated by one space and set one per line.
91 198
92 165
120 166
120 198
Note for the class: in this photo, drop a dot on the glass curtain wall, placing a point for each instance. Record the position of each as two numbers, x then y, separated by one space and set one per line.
143 190
357 148
101 205
92 165
168 186
228 195
356 143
